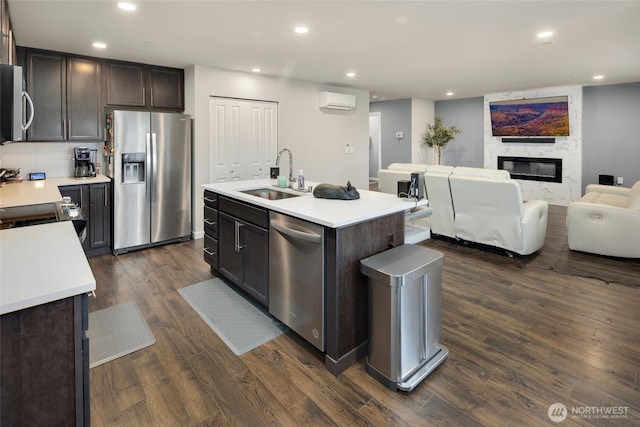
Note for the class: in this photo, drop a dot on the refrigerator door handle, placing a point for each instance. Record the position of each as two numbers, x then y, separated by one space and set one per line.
148 171
154 169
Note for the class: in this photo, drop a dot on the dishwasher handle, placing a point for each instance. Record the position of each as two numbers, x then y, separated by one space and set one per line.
297 234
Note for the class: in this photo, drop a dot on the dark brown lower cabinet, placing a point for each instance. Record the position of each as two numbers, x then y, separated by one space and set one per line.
243 247
95 202
44 365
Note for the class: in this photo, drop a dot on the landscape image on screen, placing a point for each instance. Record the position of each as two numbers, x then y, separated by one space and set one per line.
530 117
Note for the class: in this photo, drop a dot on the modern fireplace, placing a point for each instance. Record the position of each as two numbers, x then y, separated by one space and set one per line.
532 168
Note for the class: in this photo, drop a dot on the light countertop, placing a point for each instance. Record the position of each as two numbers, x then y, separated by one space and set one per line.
327 212
37 192
40 264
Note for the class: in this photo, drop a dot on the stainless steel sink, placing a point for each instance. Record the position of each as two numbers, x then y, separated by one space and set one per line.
270 193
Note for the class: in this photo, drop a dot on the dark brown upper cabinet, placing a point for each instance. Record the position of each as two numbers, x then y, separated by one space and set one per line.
144 86
67 96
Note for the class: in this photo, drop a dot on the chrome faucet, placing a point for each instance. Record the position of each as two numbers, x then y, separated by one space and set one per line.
290 162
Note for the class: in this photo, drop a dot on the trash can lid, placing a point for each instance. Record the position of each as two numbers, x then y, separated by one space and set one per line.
400 264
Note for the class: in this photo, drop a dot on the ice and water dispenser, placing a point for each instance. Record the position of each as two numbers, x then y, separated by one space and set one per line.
133 167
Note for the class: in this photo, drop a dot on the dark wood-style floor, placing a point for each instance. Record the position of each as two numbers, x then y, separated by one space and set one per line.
523 333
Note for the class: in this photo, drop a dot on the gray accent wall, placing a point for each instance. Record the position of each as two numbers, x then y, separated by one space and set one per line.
611 132
395 116
467 149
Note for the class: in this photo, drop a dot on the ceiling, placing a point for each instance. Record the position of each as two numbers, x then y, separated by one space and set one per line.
398 49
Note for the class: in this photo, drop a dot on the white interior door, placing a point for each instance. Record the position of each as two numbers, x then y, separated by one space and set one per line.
243 138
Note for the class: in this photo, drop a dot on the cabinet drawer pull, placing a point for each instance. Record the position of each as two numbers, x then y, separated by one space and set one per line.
206 199
208 252
206 221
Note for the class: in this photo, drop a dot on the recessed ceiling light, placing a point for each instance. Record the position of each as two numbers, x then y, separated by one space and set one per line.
545 34
598 77
351 74
374 96
301 29
129 7
256 70
99 45
449 93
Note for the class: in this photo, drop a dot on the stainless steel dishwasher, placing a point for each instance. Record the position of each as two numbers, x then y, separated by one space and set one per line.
296 276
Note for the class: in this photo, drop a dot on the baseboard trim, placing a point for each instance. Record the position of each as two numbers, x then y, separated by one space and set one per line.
336 367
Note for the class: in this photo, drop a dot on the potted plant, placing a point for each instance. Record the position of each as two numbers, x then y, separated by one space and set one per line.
438 136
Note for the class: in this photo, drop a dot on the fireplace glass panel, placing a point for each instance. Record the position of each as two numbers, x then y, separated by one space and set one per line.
531 168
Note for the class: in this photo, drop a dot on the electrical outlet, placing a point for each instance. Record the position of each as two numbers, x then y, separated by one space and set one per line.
352 150
620 180
391 240
346 149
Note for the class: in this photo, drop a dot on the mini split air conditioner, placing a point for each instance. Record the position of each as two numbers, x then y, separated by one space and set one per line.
337 101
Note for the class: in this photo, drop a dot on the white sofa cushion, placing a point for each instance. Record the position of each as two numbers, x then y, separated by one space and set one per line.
606 199
408 167
481 172
436 182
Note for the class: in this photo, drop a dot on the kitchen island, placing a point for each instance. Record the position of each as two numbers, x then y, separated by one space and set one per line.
353 230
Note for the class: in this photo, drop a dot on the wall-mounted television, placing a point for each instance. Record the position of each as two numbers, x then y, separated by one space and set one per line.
530 117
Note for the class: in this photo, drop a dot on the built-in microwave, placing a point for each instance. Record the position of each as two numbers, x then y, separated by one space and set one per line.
12 109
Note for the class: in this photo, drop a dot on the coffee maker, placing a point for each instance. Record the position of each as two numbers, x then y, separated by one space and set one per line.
85 165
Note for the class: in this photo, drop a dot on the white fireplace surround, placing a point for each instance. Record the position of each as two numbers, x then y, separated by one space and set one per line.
569 148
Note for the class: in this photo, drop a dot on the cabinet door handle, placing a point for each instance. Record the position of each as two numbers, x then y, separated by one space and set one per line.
143 96
151 96
208 252
206 221
238 245
69 129
106 196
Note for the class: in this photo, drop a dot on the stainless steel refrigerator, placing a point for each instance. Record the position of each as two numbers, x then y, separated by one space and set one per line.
151 172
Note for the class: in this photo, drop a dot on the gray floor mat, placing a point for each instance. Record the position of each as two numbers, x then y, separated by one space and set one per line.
117 331
239 323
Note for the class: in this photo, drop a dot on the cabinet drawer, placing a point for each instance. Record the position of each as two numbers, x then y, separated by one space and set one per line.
210 199
211 222
245 212
211 251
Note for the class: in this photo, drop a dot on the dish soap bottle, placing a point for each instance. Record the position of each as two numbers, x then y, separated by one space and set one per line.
300 180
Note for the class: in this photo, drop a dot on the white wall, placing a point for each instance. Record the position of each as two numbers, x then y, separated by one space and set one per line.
422 112
569 149
316 138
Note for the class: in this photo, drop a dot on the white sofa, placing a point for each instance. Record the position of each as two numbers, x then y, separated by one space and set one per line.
388 178
606 221
489 209
436 181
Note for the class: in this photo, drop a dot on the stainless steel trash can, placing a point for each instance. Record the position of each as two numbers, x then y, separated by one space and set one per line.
405 315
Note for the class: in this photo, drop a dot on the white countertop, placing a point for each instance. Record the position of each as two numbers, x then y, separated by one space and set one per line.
37 192
327 212
40 264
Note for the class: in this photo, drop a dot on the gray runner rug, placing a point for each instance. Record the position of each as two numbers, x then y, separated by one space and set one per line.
115 332
242 325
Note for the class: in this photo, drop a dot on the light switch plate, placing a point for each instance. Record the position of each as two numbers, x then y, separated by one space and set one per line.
399 135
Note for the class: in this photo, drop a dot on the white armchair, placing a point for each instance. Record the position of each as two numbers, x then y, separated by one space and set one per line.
489 210
606 221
